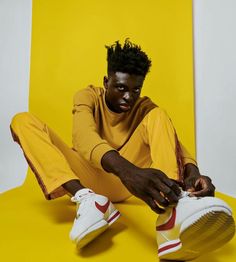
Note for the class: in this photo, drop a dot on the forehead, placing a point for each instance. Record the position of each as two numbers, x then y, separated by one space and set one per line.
126 79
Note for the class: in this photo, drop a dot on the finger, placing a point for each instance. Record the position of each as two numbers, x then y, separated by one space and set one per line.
200 193
200 188
191 189
203 187
159 199
154 206
210 187
169 183
173 185
203 192
169 194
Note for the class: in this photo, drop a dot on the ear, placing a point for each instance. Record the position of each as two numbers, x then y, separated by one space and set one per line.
105 81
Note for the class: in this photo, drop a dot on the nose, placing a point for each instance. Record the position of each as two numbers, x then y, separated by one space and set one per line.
127 97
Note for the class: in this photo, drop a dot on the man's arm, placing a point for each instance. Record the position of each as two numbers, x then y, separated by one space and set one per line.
194 182
85 137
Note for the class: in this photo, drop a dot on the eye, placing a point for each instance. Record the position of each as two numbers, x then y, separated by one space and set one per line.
137 90
120 88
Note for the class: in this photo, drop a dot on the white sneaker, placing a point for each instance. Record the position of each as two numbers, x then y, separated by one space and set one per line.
193 227
95 213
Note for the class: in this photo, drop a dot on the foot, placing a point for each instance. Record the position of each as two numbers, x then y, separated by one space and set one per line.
95 213
193 227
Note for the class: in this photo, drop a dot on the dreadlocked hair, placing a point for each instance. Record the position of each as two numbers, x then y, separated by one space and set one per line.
127 59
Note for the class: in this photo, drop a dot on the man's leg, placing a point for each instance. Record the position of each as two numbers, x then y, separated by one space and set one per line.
182 229
155 144
59 170
72 186
45 159
164 146
58 167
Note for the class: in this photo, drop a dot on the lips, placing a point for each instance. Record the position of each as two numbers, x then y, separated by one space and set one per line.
125 107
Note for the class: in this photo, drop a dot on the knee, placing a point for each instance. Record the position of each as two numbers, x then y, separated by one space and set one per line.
20 119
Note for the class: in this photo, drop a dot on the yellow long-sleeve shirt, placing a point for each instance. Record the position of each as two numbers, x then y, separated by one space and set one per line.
97 130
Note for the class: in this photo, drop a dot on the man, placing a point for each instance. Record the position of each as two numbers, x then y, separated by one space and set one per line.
123 145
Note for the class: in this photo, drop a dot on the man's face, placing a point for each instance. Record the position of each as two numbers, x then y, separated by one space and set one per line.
122 91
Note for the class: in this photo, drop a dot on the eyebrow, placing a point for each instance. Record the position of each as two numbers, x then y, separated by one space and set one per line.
124 85
120 83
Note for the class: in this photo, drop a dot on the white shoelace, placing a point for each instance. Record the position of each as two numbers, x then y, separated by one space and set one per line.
82 201
183 194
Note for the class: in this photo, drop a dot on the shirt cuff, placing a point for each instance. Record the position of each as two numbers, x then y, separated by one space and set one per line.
188 160
98 152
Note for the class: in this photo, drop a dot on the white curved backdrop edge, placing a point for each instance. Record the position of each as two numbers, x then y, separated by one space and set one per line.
15 31
215 90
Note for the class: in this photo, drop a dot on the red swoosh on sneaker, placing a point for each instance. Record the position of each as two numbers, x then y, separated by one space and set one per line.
102 208
170 223
168 247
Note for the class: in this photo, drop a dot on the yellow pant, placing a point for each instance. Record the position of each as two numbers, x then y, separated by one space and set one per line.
153 144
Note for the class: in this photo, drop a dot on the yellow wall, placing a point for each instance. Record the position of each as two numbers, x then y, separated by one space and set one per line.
68 53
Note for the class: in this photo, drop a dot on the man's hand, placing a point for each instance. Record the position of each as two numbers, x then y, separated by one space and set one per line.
150 185
196 183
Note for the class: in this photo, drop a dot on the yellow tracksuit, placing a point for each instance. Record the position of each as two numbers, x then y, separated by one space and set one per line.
145 136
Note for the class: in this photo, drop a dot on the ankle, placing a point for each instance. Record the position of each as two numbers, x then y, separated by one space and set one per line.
73 186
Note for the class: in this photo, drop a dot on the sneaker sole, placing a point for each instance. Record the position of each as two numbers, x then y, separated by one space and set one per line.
214 227
97 229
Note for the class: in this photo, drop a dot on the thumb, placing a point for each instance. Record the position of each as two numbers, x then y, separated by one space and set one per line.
191 189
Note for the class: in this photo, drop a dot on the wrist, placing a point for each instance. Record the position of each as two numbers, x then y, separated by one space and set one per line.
114 163
191 170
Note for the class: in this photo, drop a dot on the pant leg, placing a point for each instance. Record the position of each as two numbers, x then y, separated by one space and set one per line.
155 144
55 163
44 158
166 152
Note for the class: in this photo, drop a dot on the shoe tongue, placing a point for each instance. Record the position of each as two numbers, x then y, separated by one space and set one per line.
83 191
81 194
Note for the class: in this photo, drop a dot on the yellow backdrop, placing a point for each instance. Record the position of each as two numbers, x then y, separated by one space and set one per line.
68 53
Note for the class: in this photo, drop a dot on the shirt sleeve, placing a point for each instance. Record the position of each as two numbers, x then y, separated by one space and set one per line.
85 137
187 158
